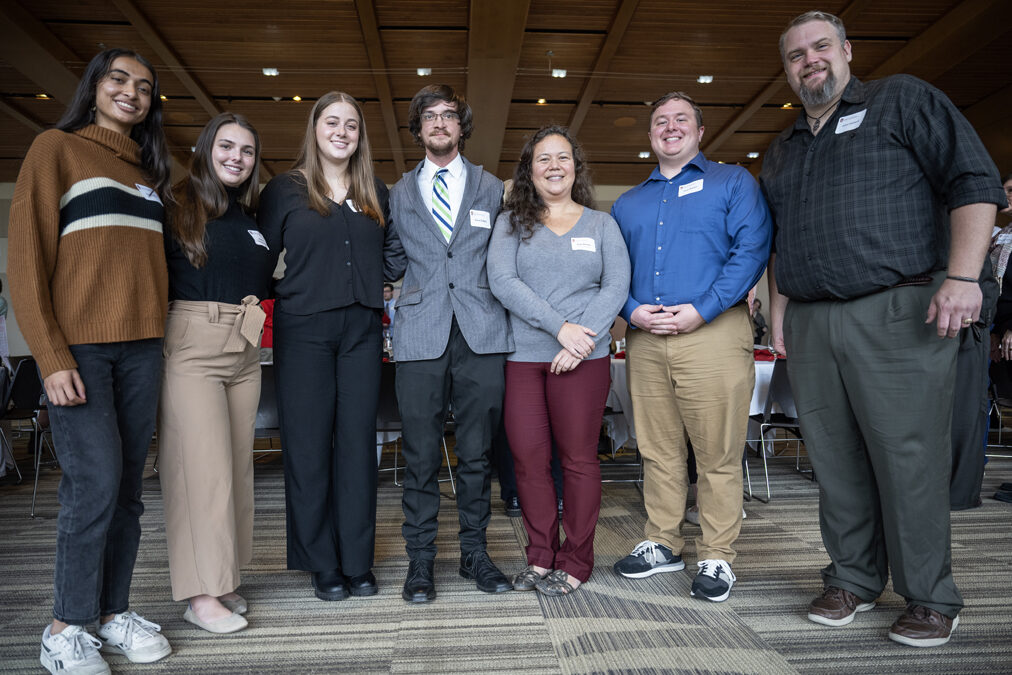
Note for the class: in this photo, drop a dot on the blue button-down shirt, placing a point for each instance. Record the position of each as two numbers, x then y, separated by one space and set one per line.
702 237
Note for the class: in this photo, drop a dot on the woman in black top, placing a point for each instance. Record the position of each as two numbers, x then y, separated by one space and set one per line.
219 267
329 215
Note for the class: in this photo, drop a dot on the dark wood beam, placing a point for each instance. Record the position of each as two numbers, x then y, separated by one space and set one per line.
32 50
21 117
992 109
377 60
494 40
773 85
964 29
611 44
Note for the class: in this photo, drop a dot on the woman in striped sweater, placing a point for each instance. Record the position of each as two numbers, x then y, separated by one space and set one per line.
89 285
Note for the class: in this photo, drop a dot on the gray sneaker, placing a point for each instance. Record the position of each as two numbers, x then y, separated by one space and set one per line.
647 559
73 651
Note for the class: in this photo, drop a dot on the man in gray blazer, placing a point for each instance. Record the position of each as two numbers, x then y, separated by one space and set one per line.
449 338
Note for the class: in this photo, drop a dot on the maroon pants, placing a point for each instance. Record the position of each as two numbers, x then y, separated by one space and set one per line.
540 407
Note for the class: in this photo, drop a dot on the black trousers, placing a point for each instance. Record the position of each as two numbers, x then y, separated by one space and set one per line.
327 368
474 384
969 418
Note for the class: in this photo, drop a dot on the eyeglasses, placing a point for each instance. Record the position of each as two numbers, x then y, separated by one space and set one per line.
447 116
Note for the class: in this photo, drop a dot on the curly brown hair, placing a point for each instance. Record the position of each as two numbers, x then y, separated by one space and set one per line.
525 205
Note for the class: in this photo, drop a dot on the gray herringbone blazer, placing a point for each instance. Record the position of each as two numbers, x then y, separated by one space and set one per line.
443 280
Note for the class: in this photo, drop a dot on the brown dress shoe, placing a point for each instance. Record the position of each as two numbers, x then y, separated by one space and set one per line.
922 626
836 607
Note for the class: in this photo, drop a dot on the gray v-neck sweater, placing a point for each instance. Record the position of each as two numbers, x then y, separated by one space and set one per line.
581 277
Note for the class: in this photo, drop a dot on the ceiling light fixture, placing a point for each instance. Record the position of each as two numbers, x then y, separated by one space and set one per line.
193 148
163 97
644 154
786 106
270 72
424 72
296 98
753 155
558 72
44 97
542 101
704 79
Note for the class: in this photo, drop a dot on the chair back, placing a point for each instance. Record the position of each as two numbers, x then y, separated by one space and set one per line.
5 389
780 392
26 388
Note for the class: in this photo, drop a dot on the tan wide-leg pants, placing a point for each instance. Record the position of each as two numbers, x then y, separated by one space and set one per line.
207 416
697 384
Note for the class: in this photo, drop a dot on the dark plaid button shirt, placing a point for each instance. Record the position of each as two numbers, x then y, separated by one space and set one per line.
865 204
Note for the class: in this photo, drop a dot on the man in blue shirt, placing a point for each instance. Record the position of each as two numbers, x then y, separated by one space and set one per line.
698 234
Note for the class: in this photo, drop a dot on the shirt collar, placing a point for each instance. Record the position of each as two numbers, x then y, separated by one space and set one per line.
699 161
455 168
854 92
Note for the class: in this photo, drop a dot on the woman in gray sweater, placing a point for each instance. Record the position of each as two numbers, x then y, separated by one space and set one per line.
562 271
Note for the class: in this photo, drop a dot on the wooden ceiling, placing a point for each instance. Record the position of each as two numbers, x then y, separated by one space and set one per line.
617 54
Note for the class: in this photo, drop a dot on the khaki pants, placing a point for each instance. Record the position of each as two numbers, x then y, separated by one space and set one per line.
698 385
207 416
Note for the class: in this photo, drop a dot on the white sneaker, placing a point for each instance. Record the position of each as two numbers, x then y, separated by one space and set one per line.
134 637
714 580
74 651
692 514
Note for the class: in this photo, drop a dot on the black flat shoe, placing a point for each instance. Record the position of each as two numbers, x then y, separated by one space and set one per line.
419 585
362 585
330 585
512 508
487 577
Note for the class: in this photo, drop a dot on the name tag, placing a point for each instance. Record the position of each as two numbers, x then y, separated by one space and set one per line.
148 193
481 219
848 122
351 205
583 244
689 188
258 239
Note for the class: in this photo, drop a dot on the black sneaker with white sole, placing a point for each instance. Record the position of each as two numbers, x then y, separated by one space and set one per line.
647 559
713 581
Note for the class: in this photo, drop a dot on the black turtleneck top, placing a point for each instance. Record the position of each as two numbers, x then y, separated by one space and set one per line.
238 261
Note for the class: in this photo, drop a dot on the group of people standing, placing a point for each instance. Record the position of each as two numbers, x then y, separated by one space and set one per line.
131 291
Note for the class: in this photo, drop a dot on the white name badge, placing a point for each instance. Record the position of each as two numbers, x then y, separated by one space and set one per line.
689 188
848 122
583 244
481 219
258 238
148 193
351 205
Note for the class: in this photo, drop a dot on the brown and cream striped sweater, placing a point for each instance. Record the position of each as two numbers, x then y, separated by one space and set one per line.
86 261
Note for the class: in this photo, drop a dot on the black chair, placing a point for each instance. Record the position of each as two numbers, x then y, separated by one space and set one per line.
23 405
6 450
779 394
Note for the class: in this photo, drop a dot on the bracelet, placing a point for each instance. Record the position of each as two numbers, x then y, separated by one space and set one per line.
956 277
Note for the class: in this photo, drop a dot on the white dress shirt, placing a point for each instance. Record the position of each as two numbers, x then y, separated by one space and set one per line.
456 178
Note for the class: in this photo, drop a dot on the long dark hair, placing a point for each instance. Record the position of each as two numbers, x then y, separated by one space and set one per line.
201 195
149 135
361 179
525 205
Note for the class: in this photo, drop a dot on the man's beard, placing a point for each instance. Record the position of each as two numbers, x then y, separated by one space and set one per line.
813 98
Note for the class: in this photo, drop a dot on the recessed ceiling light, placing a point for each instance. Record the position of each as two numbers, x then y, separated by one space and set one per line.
786 106
270 72
644 154
558 72
296 98
542 101
704 79
424 72
42 96
753 155
164 97
193 148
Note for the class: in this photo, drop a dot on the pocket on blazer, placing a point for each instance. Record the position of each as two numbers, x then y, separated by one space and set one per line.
411 297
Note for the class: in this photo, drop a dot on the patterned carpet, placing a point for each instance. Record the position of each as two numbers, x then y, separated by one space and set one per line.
612 625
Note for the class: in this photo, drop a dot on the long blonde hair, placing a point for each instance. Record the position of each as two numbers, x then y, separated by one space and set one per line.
361 183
